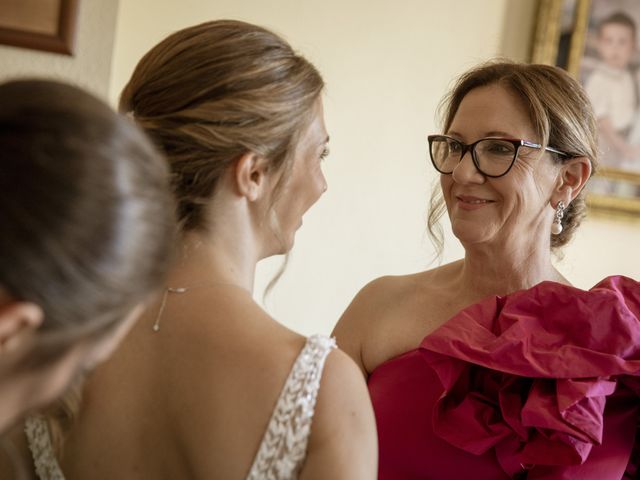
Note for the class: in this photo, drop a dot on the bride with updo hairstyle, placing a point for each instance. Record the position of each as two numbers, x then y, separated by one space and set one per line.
207 385
87 233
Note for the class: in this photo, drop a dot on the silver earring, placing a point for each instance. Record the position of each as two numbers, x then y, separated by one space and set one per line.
556 226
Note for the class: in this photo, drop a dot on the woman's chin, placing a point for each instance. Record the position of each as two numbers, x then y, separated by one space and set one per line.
469 234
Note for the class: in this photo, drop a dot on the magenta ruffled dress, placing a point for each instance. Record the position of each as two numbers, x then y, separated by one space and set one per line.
539 384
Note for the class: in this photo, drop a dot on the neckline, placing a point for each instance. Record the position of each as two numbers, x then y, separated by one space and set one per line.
394 358
610 279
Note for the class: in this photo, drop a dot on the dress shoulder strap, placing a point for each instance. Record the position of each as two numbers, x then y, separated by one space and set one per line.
39 439
284 445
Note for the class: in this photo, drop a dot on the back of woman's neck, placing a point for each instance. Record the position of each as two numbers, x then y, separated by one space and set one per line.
203 260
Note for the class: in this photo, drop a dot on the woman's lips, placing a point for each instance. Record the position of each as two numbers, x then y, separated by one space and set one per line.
467 202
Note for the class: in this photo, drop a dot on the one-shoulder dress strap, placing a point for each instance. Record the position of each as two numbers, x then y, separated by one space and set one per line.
44 459
284 445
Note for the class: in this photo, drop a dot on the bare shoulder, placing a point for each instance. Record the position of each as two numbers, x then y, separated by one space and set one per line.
388 314
382 294
372 308
342 387
343 443
233 324
381 291
369 305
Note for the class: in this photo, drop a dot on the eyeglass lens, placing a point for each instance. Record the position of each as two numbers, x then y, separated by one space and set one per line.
492 157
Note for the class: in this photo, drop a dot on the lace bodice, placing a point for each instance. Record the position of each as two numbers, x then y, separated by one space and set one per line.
284 445
44 460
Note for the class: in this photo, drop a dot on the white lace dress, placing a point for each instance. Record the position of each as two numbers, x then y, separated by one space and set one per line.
284 444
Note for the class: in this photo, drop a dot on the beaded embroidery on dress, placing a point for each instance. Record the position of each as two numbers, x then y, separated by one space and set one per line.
44 461
284 445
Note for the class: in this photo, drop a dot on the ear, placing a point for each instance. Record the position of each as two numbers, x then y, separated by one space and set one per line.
17 321
251 176
572 178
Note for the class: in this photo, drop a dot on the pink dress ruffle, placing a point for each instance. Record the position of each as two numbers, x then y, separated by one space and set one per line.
544 382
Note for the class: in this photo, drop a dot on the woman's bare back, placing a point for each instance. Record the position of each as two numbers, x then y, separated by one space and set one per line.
194 399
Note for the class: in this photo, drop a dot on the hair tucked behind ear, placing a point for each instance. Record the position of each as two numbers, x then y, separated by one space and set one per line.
560 113
210 93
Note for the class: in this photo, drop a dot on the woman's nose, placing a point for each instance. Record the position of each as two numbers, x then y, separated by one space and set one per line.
466 172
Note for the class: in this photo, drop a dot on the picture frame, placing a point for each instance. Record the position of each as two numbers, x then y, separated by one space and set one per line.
48 25
571 34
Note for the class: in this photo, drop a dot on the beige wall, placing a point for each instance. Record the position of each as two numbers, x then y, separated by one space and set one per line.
91 65
386 65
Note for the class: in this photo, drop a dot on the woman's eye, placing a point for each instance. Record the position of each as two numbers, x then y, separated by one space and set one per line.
454 147
500 148
325 153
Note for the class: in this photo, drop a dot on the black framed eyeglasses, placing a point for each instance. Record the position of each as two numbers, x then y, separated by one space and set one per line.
493 157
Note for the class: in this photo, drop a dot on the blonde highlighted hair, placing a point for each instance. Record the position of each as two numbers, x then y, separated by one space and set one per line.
210 93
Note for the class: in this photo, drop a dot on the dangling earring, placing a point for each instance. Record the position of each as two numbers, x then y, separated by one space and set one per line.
556 226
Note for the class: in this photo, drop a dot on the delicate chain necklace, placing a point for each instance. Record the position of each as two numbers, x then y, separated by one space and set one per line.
180 290
156 324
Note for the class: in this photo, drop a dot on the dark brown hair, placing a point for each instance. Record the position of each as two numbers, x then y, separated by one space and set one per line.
212 92
561 115
86 215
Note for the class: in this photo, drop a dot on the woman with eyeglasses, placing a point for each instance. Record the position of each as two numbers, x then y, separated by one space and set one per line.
494 366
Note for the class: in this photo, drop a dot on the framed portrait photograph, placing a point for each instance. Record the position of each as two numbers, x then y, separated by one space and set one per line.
47 25
597 41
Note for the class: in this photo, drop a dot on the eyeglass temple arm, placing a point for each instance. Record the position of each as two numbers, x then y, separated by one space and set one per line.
537 145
